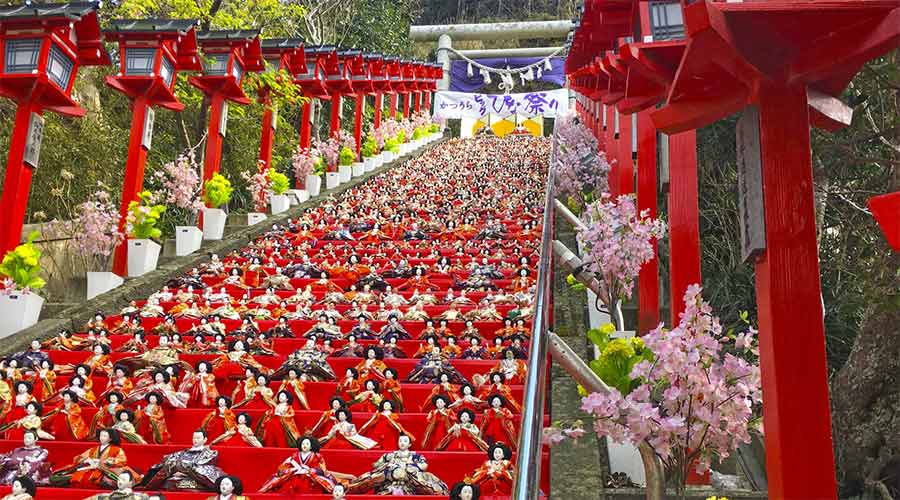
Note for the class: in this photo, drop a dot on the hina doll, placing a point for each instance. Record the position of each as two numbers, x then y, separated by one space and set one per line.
401 472
495 475
151 420
137 343
512 369
193 469
362 330
97 363
452 313
431 341
198 346
394 328
32 421
369 399
107 412
65 340
496 385
508 330
323 329
239 434
304 472
220 419
96 468
443 388
429 369
243 389
160 356
475 350
351 349
418 282
443 330
233 363
200 386
464 491
496 350
29 460
14 409
282 329
310 361
160 382
416 312
343 434
451 350
278 427
295 384
428 331
258 396
124 425
119 382
22 488
372 367
391 387
384 426
440 419
468 399
328 418
32 357
167 327
392 350
43 380
124 490
497 422
464 435
66 422
228 488
470 331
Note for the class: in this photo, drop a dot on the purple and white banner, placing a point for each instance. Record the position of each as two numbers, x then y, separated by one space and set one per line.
548 103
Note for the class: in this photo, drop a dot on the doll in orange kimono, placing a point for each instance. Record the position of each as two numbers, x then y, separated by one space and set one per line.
295 383
372 368
350 385
497 422
278 427
200 386
496 386
240 434
105 417
391 387
32 422
384 427
216 422
343 434
151 420
15 409
234 363
328 418
369 399
463 435
66 423
442 388
303 472
98 467
44 381
120 381
495 475
440 420
258 397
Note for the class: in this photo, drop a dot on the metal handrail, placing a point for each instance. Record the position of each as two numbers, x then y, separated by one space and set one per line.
526 483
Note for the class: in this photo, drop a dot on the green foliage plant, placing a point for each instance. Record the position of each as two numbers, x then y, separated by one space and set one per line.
347 156
369 148
280 182
617 357
401 137
143 217
319 168
418 133
22 265
217 191
392 145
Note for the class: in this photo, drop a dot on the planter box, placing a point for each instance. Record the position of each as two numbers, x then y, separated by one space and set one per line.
369 164
345 173
313 185
379 160
387 156
280 203
255 218
213 223
404 149
359 169
100 282
18 311
298 196
187 240
142 257
332 179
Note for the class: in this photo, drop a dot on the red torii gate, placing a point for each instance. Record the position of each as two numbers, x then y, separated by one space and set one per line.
408 84
152 52
280 54
43 47
312 82
228 55
396 83
361 80
381 83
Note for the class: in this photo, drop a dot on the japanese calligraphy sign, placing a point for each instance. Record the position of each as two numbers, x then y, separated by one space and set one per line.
33 140
465 105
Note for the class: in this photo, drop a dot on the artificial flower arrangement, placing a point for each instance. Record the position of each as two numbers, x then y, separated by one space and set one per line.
347 156
21 268
369 147
259 185
582 171
217 191
304 162
143 217
329 150
280 182
392 144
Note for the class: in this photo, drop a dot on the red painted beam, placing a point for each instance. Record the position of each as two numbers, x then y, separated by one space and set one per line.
134 178
406 96
799 457
684 219
17 182
427 102
648 280
417 102
886 210
306 124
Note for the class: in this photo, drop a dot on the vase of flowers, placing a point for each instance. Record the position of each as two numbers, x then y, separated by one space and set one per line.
141 227
20 305
280 184
217 193
345 164
314 180
369 153
179 187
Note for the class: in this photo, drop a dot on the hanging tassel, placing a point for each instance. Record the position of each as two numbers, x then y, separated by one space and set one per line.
487 77
540 73
469 72
529 75
547 65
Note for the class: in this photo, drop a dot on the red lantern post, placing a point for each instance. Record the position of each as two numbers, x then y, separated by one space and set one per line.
152 52
312 81
280 54
361 81
397 84
381 83
42 48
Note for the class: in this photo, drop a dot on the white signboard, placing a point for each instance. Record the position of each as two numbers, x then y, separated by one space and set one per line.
33 140
147 136
549 103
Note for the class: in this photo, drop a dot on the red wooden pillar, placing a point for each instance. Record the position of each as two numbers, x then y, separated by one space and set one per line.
406 99
212 158
392 103
379 98
684 219
306 124
134 177
625 172
648 279
357 122
799 457
267 138
335 114
612 147
17 182
427 99
417 101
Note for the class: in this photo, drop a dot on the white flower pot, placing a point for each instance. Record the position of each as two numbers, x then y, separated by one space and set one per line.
345 173
298 196
100 282
388 156
359 169
379 160
18 311
332 179
404 149
292 196
369 164
142 256
187 240
213 223
255 218
280 203
313 185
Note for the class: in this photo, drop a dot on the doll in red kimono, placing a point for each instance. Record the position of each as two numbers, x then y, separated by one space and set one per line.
278 426
151 420
328 418
495 475
200 386
98 467
384 427
440 420
240 434
66 422
497 422
464 435
304 472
